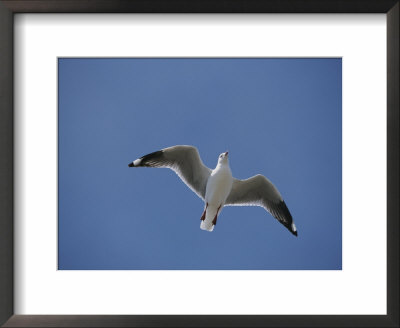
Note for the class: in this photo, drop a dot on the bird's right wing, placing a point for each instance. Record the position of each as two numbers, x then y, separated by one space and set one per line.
259 191
185 161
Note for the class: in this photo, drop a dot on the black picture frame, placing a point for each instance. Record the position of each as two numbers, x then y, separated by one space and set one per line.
10 7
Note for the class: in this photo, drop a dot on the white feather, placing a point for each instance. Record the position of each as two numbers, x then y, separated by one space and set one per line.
219 186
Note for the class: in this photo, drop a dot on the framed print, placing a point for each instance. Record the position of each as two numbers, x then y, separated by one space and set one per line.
310 100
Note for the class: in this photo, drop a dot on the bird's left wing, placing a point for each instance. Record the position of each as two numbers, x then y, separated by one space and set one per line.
259 191
185 161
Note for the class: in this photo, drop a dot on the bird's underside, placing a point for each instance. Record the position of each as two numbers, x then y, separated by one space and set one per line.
216 187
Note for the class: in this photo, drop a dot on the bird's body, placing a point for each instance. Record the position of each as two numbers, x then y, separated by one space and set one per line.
217 187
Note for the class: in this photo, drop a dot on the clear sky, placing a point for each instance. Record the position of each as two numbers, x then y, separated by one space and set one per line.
277 117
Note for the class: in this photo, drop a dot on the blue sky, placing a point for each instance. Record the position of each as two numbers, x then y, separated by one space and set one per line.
277 117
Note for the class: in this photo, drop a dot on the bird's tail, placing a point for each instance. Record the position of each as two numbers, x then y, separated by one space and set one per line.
210 219
207 225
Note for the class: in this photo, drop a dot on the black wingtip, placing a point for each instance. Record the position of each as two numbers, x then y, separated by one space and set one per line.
295 233
131 164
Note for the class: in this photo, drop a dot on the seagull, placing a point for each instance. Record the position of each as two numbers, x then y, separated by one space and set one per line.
217 188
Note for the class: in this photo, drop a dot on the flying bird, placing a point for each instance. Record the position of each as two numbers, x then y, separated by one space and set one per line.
217 188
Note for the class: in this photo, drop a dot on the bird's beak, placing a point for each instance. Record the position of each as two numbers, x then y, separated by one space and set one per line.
131 164
226 154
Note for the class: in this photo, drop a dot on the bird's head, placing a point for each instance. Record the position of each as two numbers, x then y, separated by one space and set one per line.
223 158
